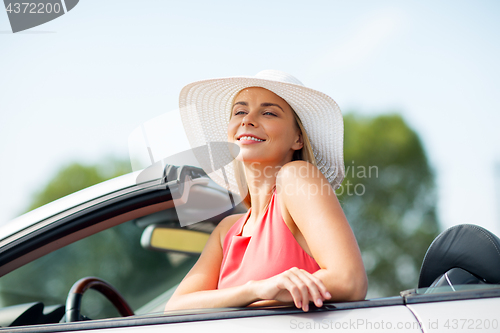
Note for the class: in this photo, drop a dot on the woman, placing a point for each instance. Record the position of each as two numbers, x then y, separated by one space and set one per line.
294 244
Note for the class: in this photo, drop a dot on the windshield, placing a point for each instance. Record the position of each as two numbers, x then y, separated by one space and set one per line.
70 201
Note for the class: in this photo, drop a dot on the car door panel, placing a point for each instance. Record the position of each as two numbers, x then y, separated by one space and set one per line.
459 316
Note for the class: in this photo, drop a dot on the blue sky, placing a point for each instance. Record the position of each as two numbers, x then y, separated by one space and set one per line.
75 88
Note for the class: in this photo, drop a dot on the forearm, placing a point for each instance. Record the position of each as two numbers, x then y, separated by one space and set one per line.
228 297
349 287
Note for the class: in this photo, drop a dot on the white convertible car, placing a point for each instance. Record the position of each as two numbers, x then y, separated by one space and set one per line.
55 261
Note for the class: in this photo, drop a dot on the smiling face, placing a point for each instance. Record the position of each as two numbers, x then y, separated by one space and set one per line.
262 124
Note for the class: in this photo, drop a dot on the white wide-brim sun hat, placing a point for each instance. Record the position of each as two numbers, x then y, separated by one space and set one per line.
205 109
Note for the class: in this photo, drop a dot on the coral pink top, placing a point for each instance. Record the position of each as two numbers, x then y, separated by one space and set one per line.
270 250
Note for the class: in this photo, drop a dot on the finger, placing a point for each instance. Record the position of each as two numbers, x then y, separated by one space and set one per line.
294 275
286 283
303 288
312 287
320 284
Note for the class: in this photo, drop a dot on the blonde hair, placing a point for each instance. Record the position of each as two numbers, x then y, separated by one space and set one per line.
304 154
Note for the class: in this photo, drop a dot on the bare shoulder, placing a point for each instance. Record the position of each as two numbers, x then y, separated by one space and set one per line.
228 221
299 169
225 224
303 191
302 178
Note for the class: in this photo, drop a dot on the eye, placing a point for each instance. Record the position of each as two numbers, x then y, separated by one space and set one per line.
269 113
238 112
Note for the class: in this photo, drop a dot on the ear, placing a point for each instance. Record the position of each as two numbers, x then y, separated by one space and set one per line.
299 142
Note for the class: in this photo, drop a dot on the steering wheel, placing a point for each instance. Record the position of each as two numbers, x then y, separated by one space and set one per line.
74 300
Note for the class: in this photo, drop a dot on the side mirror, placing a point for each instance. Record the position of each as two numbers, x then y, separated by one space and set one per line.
171 239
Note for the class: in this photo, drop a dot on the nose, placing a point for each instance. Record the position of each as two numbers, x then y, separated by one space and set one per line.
248 120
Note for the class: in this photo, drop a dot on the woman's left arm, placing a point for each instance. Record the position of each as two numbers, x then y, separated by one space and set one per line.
313 206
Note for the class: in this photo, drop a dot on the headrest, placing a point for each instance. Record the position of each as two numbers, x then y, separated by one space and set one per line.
465 246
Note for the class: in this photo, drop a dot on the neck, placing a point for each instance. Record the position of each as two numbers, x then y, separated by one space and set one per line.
261 179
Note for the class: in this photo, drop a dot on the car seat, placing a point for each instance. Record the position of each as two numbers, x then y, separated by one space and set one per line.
463 254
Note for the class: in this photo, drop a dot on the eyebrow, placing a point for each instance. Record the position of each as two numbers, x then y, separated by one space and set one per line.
271 104
262 105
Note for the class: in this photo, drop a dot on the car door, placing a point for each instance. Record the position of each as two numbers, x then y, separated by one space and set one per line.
475 308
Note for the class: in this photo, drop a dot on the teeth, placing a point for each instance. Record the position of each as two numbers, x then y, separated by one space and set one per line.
250 138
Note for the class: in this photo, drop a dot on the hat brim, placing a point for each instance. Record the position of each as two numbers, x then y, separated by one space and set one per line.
205 108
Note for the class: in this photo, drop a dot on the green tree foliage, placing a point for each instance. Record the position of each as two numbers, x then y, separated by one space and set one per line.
75 177
389 198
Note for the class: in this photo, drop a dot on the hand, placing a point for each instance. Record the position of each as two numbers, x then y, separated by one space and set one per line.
295 285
